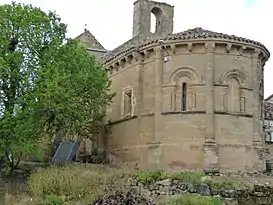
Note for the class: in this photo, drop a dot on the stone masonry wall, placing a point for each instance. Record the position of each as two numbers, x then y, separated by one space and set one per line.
256 195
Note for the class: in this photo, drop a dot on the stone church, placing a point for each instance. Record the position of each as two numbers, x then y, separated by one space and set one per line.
188 100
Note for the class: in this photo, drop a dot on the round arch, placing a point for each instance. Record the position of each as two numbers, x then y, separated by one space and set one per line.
233 73
186 71
156 19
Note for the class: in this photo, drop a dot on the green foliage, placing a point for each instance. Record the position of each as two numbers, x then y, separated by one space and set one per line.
54 200
47 82
149 177
189 199
73 90
225 184
188 176
26 33
75 182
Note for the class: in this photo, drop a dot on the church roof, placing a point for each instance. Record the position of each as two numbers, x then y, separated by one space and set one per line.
269 98
190 34
88 40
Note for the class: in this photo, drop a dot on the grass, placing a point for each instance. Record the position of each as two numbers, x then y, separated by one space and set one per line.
150 177
191 199
72 184
82 184
75 182
224 184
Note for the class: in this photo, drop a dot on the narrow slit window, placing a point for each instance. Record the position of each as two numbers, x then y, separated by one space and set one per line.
184 97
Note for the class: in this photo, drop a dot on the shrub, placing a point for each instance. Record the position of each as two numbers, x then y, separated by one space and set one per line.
149 177
224 184
75 182
188 176
53 200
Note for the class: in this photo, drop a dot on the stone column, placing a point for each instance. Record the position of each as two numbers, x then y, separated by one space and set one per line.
256 77
190 99
157 141
225 99
139 95
257 140
210 146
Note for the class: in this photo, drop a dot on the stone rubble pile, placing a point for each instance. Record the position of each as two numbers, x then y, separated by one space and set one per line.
258 194
120 198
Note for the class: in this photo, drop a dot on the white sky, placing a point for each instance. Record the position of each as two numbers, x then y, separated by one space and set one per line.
110 21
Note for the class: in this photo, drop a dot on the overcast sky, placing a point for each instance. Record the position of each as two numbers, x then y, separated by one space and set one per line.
111 20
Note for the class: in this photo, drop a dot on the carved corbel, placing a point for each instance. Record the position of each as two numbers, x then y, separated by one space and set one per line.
228 47
129 59
189 47
158 49
256 53
209 46
147 53
173 48
158 52
122 62
241 50
137 56
111 69
116 66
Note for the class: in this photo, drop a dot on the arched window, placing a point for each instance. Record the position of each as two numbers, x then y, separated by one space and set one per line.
156 19
182 79
184 97
153 23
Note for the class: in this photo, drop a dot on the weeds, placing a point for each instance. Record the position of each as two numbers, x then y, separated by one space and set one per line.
83 184
74 183
190 199
149 177
224 184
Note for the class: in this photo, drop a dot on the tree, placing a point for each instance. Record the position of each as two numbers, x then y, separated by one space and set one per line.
72 90
48 83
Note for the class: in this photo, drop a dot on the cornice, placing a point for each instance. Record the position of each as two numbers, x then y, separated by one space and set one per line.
192 36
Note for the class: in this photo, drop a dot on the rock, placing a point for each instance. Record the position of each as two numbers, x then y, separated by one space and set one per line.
183 186
204 189
206 179
120 198
228 193
191 188
166 182
230 201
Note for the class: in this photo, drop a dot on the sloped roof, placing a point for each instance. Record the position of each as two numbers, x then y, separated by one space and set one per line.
269 97
190 34
89 40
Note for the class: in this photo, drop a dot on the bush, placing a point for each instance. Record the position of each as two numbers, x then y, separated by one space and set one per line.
75 183
149 177
54 200
224 184
194 200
